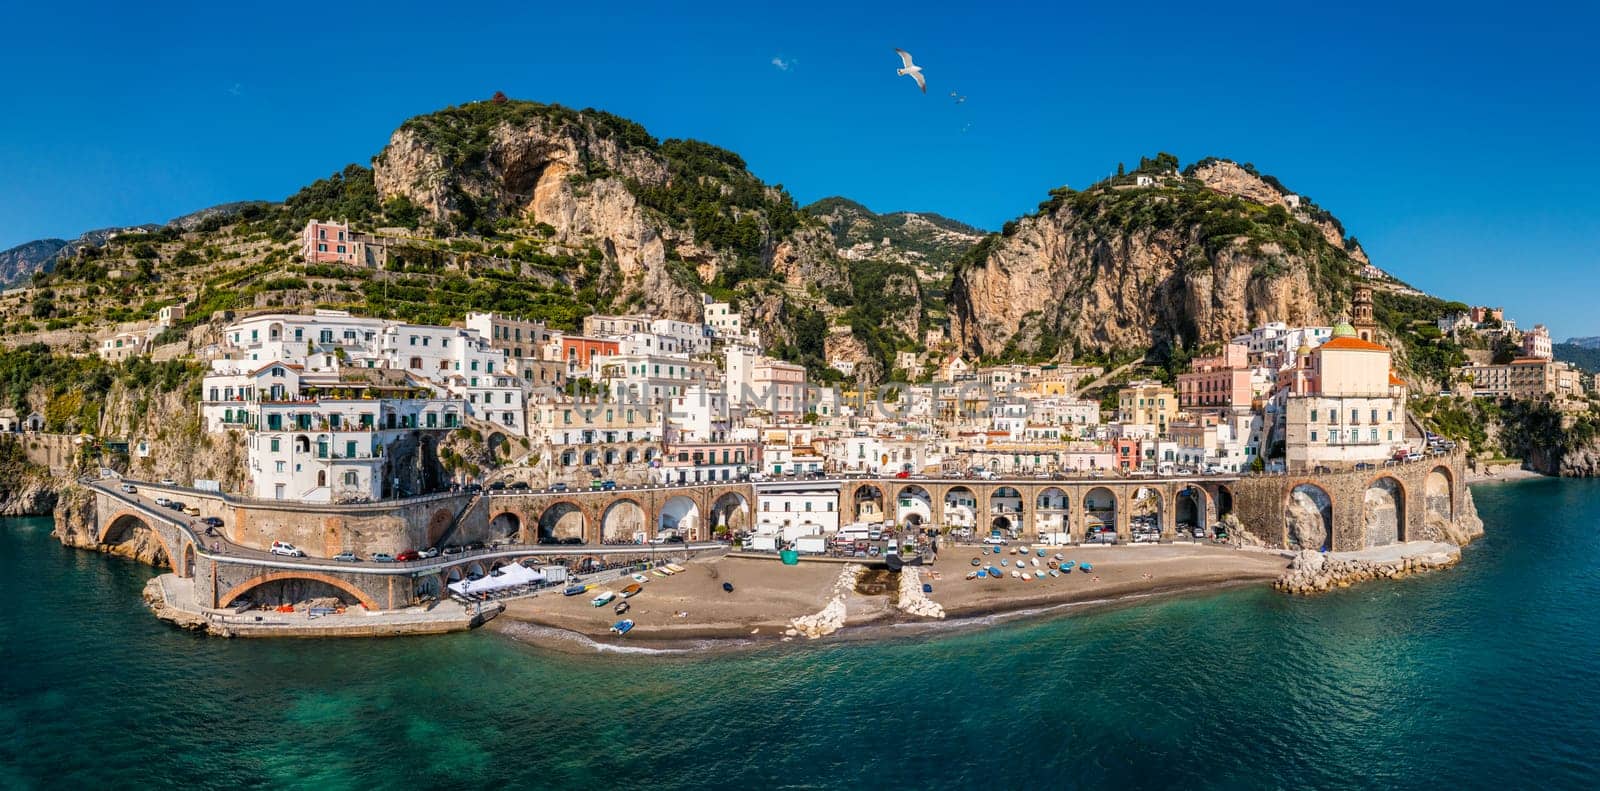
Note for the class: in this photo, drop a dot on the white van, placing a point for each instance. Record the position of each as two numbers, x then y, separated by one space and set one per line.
286 549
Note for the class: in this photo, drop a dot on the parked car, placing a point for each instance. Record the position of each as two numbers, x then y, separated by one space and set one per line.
177 505
497 486
903 474
430 552
191 510
168 482
383 557
558 487
519 486
214 521
452 550
163 502
608 486
346 557
474 546
286 549
994 541
408 556
473 488
127 488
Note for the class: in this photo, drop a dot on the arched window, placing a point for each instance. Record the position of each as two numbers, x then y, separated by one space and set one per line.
322 477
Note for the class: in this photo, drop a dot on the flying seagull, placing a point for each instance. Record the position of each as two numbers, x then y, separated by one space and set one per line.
912 69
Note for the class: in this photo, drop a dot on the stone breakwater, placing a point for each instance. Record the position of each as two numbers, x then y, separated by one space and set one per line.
831 618
1313 572
912 600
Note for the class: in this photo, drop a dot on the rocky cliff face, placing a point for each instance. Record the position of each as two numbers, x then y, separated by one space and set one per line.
544 170
668 219
1127 265
34 495
176 445
1231 178
20 262
1578 461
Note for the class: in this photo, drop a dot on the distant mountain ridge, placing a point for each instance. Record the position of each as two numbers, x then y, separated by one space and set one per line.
19 263
1591 342
1585 357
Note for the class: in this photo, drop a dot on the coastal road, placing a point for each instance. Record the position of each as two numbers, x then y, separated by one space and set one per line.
229 551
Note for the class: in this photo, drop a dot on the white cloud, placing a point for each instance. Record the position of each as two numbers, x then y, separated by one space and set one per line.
784 65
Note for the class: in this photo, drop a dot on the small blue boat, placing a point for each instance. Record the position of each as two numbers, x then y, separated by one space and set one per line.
1005 561
622 627
574 590
1087 567
982 573
1041 552
1066 566
926 588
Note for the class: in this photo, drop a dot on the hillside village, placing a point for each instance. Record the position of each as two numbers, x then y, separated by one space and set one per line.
367 339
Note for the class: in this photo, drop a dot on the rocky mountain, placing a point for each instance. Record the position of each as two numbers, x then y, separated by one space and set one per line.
554 213
1591 342
1585 357
659 222
1152 259
20 262
929 242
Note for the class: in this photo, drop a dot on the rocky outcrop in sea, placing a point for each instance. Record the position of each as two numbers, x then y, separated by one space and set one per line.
1314 572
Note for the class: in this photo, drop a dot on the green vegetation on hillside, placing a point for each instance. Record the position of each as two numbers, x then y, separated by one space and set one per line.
74 388
1413 320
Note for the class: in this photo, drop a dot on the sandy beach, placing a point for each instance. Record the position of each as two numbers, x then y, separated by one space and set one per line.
1499 473
692 609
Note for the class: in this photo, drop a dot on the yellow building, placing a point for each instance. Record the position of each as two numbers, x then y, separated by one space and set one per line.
1147 403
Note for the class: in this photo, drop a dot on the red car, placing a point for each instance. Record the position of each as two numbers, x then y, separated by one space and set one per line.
903 474
407 556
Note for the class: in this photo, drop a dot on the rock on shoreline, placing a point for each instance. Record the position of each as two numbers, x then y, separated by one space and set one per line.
912 600
831 618
1313 572
33 496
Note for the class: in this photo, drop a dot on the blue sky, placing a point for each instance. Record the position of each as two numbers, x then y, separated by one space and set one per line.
1455 140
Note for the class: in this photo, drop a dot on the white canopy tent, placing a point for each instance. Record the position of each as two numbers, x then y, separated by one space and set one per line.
510 577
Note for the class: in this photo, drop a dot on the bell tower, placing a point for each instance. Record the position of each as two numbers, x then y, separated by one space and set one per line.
1361 317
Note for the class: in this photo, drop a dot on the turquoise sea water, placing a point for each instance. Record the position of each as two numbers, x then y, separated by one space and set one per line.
1485 676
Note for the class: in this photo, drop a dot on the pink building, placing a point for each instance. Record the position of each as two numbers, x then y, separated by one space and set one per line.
1536 343
1222 380
327 242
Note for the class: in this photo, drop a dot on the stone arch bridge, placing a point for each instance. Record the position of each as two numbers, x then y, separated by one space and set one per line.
1341 511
